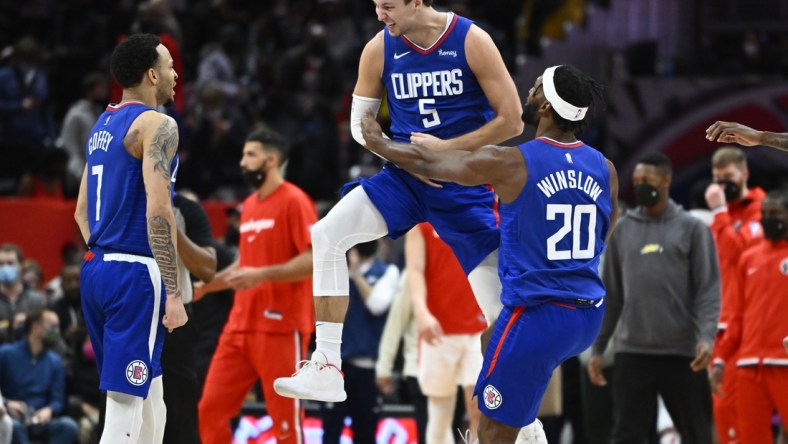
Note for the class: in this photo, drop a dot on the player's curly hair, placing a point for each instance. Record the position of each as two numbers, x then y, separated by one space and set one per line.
133 57
270 140
580 90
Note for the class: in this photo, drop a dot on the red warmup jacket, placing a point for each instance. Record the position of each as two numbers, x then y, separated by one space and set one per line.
736 227
757 326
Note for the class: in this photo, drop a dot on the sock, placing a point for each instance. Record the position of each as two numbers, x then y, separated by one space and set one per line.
329 343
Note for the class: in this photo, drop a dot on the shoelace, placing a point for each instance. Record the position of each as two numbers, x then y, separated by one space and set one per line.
466 437
314 366
306 365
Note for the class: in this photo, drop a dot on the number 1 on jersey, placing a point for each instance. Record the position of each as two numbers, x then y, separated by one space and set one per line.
429 122
572 224
98 170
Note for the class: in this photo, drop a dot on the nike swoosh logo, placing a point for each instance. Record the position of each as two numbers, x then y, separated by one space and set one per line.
399 56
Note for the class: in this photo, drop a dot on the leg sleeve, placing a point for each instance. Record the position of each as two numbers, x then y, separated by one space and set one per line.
354 219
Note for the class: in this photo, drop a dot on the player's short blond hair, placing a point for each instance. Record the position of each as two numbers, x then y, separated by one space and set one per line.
727 155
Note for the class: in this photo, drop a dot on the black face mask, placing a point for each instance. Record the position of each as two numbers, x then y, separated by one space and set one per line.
731 189
254 178
773 228
646 195
529 114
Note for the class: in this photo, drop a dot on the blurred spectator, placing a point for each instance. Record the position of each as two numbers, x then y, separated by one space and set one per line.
82 375
218 63
196 256
666 321
156 17
15 297
401 324
373 284
33 380
450 324
26 124
46 177
736 226
752 342
6 425
215 132
79 120
32 274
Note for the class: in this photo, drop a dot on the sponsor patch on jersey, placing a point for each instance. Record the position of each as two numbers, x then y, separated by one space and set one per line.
492 397
137 372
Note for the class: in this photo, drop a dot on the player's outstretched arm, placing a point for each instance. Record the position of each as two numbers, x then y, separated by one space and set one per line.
160 143
733 132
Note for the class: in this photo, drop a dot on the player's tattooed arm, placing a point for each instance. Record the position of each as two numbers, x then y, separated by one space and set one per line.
161 244
163 147
159 145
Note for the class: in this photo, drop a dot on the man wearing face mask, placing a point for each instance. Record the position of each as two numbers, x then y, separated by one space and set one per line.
736 227
271 321
33 381
15 297
752 342
663 300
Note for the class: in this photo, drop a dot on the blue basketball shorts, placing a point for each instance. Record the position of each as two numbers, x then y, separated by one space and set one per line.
527 344
465 218
123 302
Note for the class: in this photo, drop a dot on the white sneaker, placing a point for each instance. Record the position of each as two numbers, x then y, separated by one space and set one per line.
533 433
313 380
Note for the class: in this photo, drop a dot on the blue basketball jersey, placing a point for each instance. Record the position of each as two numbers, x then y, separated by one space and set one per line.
115 189
553 233
432 90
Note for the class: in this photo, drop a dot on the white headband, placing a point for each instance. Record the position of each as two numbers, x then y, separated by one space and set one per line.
561 106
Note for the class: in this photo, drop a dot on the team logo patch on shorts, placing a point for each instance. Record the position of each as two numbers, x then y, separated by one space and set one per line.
492 397
137 372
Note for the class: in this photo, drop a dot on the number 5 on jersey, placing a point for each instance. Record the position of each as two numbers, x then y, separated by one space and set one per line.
572 222
429 122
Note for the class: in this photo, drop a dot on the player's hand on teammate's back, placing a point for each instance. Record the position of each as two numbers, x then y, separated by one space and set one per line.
174 312
702 357
595 371
429 141
246 277
732 132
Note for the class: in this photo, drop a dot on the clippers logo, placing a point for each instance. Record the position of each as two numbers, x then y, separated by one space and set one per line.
137 372
492 397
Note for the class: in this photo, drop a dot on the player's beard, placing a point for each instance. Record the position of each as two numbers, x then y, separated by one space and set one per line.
529 113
